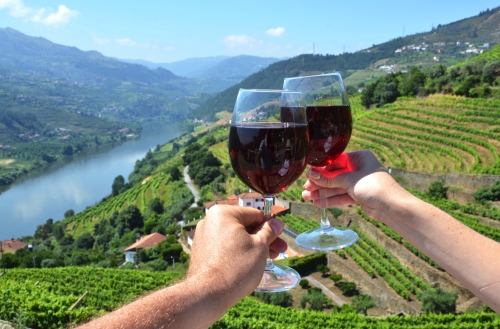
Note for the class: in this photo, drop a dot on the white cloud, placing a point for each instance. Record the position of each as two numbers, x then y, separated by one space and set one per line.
101 40
61 17
277 32
18 9
234 40
126 42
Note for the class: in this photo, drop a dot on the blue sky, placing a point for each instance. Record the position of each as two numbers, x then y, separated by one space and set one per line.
167 30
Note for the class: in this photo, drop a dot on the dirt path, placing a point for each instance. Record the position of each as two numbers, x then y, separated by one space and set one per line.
191 187
328 293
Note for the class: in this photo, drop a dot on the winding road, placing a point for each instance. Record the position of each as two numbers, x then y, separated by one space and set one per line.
191 187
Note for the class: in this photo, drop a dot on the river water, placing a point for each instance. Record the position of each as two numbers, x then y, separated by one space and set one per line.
73 183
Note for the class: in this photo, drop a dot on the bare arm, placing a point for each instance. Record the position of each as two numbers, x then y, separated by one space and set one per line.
467 255
227 261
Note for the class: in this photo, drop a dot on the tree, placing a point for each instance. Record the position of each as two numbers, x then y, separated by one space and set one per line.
316 299
485 194
49 263
439 301
362 303
85 241
156 205
323 269
304 284
118 185
411 82
69 213
335 277
174 172
132 217
67 150
283 299
58 230
347 288
437 190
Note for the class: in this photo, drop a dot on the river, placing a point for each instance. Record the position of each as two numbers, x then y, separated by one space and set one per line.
72 183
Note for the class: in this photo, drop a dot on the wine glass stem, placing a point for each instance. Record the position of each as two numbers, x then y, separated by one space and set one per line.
268 204
325 223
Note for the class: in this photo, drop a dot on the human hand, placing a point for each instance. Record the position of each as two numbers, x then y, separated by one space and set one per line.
353 178
231 246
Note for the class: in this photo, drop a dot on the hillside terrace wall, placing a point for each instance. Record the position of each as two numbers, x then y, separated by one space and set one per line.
416 265
462 186
385 298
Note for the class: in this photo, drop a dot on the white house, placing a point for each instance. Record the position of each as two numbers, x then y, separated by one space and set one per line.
144 242
252 200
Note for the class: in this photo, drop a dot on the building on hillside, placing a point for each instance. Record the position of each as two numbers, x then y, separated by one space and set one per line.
250 199
11 246
144 242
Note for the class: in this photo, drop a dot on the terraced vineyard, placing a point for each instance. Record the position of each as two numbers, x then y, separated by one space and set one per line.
438 134
249 313
45 296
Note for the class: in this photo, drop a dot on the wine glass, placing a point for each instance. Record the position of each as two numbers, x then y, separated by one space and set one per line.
329 122
268 149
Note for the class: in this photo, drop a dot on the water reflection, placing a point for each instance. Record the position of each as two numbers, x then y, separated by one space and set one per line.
72 184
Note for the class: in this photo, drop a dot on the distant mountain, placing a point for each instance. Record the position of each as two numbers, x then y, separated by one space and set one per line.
222 67
470 33
237 67
38 54
186 68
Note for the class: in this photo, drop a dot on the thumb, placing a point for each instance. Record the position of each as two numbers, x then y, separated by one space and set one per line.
270 230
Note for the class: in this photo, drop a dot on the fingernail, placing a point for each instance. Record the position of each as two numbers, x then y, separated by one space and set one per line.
314 174
275 226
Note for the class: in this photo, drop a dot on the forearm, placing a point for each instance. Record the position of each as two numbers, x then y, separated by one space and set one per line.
465 254
189 304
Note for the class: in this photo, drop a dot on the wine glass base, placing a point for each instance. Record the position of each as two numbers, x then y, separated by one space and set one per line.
278 278
329 238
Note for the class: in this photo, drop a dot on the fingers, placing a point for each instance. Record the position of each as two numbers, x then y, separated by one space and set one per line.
328 193
334 202
269 231
278 245
248 217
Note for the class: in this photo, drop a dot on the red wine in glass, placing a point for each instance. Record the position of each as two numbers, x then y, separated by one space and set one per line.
268 157
330 128
329 122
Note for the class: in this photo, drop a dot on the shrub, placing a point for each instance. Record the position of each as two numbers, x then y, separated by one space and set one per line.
304 284
335 277
439 301
437 190
49 263
348 288
309 263
283 299
323 269
362 303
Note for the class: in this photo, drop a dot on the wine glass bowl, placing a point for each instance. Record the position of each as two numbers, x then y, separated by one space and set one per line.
329 121
268 149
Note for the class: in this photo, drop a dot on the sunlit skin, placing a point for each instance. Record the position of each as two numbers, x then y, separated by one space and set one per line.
359 178
227 261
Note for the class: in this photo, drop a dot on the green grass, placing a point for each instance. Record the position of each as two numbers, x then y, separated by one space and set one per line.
365 76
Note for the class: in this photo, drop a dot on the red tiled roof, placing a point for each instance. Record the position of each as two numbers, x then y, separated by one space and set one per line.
250 195
232 197
13 245
209 204
148 241
275 210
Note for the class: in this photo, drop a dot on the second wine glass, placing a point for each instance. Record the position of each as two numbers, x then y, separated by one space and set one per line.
268 149
329 123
